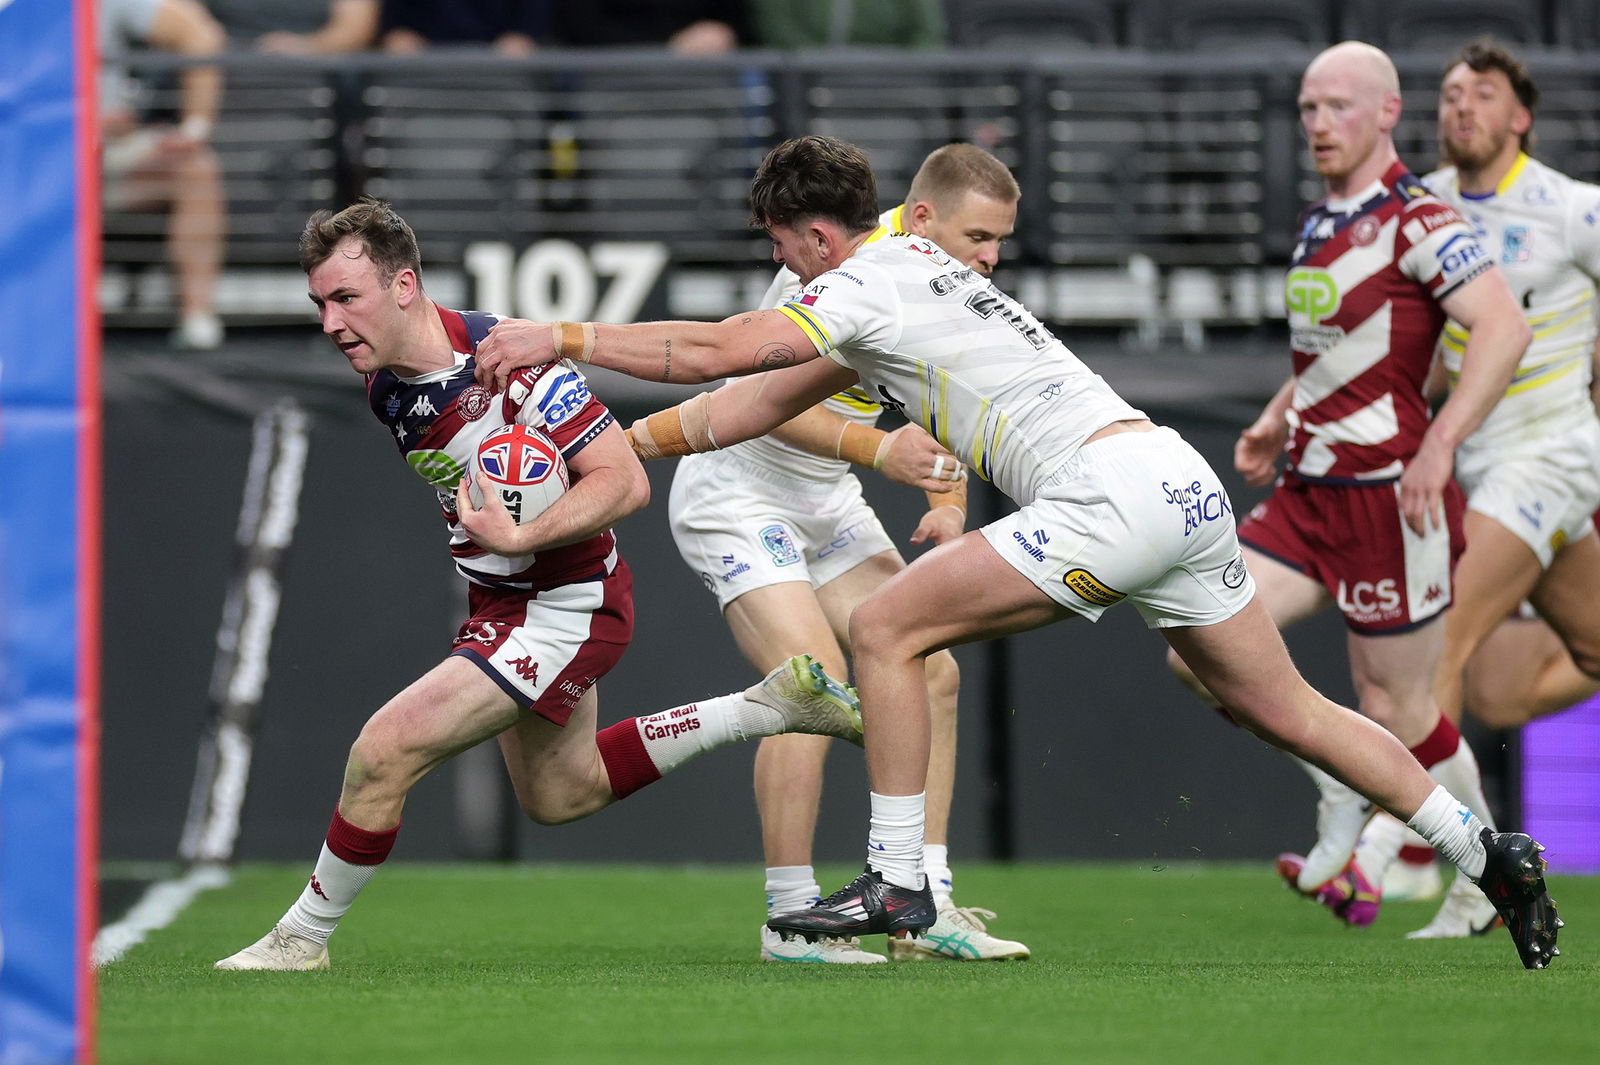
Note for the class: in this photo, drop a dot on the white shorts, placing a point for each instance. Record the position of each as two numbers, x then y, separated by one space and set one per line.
743 526
1546 498
1135 516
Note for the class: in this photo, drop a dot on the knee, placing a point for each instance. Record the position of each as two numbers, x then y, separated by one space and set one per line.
872 631
550 810
376 764
944 679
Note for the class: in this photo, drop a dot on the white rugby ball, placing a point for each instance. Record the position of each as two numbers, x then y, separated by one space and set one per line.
525 467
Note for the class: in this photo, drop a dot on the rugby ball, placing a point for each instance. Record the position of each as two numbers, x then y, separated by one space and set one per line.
525 467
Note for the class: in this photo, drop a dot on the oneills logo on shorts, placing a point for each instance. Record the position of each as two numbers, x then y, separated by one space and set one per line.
1089 588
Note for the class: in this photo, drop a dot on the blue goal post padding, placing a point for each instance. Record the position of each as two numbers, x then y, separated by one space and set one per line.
49 530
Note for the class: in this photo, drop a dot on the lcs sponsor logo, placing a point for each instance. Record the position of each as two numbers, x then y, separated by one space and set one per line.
1091 589
1310 292
1199 506
1369 600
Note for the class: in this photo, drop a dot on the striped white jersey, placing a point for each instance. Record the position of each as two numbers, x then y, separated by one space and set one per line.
937 341
1543 228
852 403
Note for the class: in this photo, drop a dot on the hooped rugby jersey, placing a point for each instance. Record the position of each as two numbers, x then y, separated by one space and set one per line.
1362 293
439 419
940 343
1543 229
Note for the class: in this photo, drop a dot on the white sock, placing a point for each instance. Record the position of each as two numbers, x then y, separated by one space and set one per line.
1453 829
329 894
791 888
1459 775
936 860
1380 845
674 736
894 842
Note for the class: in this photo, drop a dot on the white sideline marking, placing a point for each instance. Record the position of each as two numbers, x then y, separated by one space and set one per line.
160 906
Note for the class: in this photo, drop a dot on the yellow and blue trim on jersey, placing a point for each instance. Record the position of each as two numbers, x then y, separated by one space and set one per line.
808 325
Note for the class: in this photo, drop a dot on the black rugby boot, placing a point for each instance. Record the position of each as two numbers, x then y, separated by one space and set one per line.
866 906
1514 881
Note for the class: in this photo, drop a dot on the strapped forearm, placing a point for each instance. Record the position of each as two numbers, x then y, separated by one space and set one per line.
681 430
956 497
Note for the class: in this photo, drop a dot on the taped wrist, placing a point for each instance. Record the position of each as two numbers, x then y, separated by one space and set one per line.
862 445
573 340
956 497
681 430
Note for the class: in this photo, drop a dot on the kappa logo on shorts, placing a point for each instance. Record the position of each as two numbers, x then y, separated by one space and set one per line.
780 545
1236 572
1091 589
526 667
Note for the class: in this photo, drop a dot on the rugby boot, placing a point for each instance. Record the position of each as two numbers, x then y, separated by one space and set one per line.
1513 878
809 700
1465 912
868 905
823 952
281 950
1341 815
1350 896
958 935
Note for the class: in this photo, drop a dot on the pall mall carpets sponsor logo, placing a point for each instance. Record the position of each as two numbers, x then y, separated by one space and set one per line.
1091 589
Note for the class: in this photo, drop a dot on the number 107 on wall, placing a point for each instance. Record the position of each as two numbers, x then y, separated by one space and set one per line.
557 280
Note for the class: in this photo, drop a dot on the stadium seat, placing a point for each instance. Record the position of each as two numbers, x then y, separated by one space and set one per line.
1043 25
1442 26
1243 25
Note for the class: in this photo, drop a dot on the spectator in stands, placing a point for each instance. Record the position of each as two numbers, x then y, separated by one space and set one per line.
793 24
510 27
168 165
299 27
688 27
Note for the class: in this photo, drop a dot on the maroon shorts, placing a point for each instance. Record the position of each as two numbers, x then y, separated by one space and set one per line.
1353 539
547 649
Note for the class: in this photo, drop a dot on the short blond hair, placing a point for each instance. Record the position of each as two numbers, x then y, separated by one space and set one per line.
955 169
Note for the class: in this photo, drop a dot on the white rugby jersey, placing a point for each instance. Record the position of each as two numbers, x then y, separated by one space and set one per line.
937 341
1543 228
438 420
852 403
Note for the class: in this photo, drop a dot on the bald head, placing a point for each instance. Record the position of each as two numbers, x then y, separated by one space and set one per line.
1362 64
1349 106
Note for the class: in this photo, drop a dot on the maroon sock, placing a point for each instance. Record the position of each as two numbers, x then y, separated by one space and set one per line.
1442 742
358 846
627 763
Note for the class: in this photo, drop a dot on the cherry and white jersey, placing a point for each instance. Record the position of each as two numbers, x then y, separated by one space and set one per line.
852 403
1363 293
439 419
1543 228
937 341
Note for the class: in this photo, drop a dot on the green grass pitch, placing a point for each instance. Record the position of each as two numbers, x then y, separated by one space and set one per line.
1184 964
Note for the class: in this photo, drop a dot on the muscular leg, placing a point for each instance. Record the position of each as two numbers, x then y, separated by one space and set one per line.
1288 595
1496 572
1568 597
1522 671
557 772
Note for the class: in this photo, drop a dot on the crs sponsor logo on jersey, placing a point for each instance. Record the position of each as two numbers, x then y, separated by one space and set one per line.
1460 256
565 397
780 545
1370 601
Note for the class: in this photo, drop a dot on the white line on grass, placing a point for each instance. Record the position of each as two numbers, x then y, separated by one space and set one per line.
160 906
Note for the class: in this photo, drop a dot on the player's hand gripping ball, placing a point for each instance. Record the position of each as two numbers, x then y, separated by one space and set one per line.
524 466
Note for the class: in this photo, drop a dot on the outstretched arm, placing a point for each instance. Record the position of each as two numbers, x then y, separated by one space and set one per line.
908 455
675 352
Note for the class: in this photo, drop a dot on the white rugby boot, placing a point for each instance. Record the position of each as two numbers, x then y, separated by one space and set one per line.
1341 815
281 950
823 952
1465 912
809 700
958 935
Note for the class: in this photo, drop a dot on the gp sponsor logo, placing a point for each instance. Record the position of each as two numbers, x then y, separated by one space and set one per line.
435 467
1310 292
1369 600
1091 589
780 545
1199 505
560 403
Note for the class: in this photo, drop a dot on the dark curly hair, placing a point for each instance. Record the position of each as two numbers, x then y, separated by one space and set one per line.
815 177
